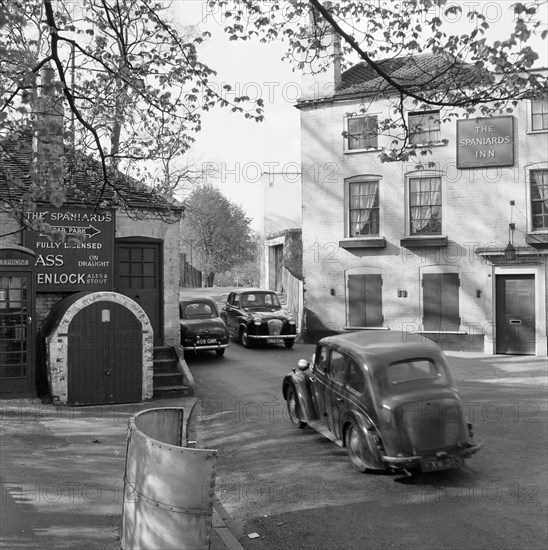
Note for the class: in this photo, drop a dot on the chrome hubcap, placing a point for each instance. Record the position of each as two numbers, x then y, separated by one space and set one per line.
354 443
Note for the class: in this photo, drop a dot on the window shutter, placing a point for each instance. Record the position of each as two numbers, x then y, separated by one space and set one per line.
441 301
365 301
373 308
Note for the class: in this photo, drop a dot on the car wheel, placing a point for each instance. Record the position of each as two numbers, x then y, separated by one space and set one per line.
289 342
293 408
362 448
356 447
244 338
220 352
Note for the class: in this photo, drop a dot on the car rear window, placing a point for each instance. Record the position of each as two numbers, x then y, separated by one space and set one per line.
198 310
415 369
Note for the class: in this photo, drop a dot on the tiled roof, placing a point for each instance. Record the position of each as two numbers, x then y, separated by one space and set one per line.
83 182
418 72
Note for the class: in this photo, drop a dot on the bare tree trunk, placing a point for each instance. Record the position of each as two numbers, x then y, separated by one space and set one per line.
210 278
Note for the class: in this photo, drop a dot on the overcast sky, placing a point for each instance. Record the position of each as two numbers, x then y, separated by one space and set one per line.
239 148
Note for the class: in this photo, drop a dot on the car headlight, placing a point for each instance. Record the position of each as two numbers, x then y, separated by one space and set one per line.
291 321
257 321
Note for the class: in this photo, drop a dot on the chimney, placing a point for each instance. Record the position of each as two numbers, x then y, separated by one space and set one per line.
322 76
48 144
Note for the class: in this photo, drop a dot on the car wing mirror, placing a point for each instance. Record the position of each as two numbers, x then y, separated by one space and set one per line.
303 364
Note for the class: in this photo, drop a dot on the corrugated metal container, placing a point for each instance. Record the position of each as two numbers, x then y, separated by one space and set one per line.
168 488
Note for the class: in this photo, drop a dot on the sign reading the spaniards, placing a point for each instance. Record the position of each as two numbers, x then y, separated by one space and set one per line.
73 265
485 142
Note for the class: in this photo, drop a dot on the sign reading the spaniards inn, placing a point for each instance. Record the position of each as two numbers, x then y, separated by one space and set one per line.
485 142
71 265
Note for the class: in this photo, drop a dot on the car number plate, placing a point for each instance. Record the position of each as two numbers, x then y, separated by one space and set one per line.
437 464
275 340
203 341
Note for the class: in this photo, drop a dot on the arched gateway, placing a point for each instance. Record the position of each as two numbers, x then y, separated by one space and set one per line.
99 350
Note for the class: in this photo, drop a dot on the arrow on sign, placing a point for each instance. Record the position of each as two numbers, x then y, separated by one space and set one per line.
88 231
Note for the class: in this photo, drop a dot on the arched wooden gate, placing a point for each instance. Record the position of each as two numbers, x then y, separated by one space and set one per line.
100 348
104 356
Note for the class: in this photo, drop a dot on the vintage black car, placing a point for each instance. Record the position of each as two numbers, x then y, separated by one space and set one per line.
255 315
201 326
388 397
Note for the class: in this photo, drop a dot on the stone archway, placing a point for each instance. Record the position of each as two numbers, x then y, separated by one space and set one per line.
57 341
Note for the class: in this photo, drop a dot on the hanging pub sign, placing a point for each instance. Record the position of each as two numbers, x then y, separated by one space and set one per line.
485 142
73 265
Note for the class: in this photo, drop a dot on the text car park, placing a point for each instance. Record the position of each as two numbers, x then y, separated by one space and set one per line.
388 398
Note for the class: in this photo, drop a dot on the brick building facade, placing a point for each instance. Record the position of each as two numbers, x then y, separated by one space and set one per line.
389 246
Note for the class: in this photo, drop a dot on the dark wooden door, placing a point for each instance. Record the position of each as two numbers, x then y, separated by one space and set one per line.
365 301
105 359
138 276
440 300
16 335
515 314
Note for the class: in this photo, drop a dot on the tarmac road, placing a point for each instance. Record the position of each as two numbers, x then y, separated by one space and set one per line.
295 489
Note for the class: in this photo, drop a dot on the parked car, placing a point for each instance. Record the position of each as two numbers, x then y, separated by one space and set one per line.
255 315
201 326
387 397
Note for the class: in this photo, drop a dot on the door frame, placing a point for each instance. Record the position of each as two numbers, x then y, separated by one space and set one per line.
159 334
540 306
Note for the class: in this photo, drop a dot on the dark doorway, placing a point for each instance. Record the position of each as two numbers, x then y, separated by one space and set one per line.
276 261
138 276
515 314
16 335
104 356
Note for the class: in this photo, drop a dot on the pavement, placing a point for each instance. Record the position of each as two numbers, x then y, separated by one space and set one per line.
62 474
62 468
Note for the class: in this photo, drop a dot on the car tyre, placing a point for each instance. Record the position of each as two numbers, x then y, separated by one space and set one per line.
357 448
220 352
293 408
289 342
244 338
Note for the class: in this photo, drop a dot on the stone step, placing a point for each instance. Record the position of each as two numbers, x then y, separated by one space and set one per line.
164 352
164 365
177 390
162 379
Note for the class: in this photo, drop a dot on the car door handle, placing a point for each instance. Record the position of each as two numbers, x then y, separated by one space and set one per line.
338 399
312 378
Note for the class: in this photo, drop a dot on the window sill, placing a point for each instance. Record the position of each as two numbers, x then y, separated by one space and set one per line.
543 131
434 241
374 242
539 240
423 145
368 150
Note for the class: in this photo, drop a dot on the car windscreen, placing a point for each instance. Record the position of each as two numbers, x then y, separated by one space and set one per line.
198 310
260 300
412 369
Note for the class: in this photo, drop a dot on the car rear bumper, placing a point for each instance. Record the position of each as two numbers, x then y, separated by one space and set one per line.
410 461
205 348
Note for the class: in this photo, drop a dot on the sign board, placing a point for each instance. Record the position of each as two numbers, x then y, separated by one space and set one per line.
74 266
485 142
